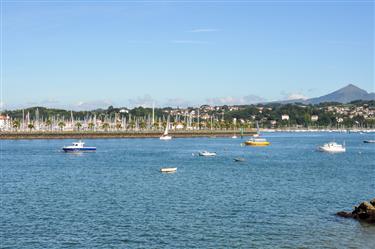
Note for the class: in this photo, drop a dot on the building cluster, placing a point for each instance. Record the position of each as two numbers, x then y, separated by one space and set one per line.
204 117
364 111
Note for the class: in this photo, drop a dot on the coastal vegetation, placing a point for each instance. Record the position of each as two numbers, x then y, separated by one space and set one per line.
356 114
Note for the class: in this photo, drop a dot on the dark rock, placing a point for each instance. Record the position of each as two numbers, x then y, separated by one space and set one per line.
364 212
365 206
371 218
345 214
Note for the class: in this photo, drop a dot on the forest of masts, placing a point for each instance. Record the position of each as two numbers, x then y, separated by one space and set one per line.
118 122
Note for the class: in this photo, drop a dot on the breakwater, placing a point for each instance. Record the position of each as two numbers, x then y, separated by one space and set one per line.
118 134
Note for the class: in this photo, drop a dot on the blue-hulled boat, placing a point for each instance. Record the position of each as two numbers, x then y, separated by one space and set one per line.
78 146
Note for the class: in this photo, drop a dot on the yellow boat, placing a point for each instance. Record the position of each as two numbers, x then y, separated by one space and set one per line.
257 142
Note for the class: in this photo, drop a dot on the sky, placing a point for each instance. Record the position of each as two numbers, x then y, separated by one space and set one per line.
87 54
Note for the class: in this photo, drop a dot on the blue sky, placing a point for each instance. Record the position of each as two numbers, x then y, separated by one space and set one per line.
89 54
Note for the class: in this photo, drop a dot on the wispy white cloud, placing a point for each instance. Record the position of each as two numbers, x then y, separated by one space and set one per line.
188 42
177 102
144 101
298 94
91 105
292 96
345 42
204 30
229 100
53 103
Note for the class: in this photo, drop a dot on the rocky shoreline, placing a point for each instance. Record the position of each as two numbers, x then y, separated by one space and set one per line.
364 212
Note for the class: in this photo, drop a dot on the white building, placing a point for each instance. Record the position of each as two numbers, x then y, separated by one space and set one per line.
314 118
4 122
284 117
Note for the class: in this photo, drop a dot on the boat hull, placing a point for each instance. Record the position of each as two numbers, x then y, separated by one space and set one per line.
79 149
165 138
168 170
322 149
252 143
207 154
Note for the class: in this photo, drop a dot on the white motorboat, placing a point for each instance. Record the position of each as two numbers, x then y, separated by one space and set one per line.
234 136
168 170
165 135
206 153
332 147
78 146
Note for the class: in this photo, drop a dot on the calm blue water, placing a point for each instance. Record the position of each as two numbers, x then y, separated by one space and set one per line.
283 196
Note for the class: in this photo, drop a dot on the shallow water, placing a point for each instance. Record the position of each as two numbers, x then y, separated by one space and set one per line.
282 196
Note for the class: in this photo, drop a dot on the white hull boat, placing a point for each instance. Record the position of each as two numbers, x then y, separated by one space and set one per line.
165 135
332 147
78 147
206 153
168 170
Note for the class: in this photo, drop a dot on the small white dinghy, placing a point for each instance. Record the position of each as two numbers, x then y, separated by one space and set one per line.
332 147
206 153
168 170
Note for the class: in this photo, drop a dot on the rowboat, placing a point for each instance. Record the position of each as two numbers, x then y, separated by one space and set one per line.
168 170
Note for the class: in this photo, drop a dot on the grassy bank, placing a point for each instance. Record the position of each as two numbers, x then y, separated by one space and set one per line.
113 134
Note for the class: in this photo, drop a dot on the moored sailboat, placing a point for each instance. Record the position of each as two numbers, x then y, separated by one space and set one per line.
165 135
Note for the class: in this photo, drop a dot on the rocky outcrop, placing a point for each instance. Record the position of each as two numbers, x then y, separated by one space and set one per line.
364 212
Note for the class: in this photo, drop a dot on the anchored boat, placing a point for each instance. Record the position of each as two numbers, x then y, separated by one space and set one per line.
168 170
206 153
78 146
257 141
165 135
239 159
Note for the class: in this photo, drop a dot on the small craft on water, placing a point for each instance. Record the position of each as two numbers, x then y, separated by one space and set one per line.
369 141
332 147
168 170
257 141
78 146
206 153
239 159
165 135
234 136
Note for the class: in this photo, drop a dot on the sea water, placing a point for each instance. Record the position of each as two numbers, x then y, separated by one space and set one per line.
282 196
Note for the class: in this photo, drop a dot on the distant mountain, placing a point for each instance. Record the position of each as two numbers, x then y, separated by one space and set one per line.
344 95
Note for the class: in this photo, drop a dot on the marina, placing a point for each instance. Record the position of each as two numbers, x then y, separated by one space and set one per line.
187 124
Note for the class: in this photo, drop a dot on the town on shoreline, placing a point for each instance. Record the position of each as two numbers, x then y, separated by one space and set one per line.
192 121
